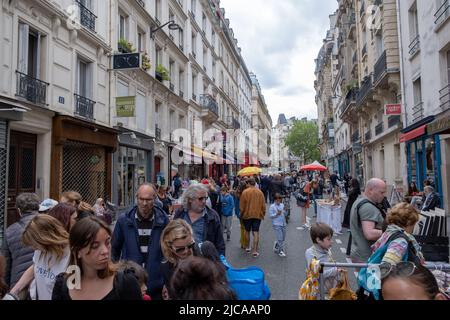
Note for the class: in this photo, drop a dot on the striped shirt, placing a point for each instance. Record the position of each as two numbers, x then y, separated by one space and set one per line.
144 227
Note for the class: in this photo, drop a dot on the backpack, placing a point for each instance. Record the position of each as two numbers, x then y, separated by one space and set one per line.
310 287
367 282
248 283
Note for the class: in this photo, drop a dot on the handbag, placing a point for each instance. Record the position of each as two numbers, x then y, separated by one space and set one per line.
301 198
342 291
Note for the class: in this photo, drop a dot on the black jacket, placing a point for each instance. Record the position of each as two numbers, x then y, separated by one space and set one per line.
213 228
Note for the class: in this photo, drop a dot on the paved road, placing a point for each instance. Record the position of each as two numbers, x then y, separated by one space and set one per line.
283 275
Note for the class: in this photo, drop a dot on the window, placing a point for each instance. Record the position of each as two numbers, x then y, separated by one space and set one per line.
171 18
158 56
193 7
181 122
181 37
194 44
181 80
84 76
122 27
157 110
172 71
414 45
203 23
29 61
194 86
205 58
448 67
417 88
158 10
141 41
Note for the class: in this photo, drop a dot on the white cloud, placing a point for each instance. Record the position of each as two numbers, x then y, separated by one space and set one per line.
280 40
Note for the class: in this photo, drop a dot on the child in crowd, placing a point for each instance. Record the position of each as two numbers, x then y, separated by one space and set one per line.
139 273
277 214
321 235
227 201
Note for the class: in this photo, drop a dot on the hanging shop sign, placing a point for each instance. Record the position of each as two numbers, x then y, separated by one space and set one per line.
126 106
393 109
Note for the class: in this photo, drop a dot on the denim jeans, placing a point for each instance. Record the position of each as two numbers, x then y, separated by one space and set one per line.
226 224
280 234
315 197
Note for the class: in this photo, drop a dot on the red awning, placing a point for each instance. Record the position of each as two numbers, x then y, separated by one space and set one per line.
420 131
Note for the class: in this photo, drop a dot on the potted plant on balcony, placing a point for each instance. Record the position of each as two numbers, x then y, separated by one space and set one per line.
162 73
146 65
125 46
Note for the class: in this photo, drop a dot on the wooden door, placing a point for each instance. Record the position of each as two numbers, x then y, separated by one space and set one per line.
22 170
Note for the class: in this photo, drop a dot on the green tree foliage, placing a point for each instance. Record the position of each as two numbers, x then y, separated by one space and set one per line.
303 141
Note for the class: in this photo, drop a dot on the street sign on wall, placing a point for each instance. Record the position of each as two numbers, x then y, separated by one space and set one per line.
393 109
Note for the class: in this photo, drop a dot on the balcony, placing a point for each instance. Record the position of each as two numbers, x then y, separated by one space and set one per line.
393 121
368 135
366 88
157 132
442 13
235 124
414 47
180 46
418 112
380 68
379 129
210 110
444 98
355 136
350 99
84 107
141 3
364 51
87 18
172 87
32 89
194 97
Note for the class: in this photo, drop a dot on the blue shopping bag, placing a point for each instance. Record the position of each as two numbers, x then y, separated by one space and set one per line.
248 283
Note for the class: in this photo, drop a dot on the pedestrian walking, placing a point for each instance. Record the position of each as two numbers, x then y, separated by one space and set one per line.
306 191
253 210
277 214
18 256
137 236
366 220
205 222
227 203
50 240
237 211
354 193
177 243
165 200
90 245
71 197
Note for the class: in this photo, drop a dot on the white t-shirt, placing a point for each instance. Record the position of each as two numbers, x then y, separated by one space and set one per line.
45 272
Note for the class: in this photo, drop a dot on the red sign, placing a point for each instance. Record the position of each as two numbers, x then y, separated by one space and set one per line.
393 109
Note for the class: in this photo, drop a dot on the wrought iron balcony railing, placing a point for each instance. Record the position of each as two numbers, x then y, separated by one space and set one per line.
380 67
364 50
208 102
355 136
444 98
236 124
393 121
414 47
84 107
366 87
194 97
442 13
141 3
32 89
379 129
418 112
181 94
87 18
172 87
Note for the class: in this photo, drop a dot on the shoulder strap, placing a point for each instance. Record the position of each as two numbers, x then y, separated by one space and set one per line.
363 202
118 282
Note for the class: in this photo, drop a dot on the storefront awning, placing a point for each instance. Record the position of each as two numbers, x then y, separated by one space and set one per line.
420 131
440 126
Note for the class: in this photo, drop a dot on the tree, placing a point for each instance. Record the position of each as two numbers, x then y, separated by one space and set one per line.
303 141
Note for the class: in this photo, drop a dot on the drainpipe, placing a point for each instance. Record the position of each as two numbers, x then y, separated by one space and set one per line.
402 83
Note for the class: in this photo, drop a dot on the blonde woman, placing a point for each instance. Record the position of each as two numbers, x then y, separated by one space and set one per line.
177 243
49 239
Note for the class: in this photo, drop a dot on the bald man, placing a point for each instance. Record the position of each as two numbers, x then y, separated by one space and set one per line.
366 220
137 236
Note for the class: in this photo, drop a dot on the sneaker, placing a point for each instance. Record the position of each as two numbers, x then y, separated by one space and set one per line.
275 246
248 250
282 254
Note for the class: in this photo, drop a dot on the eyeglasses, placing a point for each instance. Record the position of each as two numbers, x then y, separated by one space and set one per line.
183 249
202 198
403 269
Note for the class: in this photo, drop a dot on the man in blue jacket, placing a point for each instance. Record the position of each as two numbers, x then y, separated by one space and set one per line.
136 237
205 221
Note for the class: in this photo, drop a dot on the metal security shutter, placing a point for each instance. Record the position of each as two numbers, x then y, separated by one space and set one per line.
84 170
3 174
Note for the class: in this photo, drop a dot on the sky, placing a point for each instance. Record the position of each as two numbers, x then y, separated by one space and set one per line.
280 39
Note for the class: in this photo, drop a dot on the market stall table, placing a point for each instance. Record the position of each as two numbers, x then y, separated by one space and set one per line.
330 214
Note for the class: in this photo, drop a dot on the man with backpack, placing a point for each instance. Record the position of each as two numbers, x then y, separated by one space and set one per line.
366 220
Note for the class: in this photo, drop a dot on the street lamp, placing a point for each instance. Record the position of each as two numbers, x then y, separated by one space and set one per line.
172 26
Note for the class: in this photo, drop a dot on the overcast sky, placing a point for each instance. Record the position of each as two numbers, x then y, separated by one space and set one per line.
280 40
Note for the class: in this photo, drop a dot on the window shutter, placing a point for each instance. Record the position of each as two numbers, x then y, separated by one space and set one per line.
23 48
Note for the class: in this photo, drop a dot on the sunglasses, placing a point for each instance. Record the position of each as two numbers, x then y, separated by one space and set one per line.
402 269
202 198
183 249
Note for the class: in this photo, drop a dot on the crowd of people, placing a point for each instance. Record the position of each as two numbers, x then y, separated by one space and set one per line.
168 246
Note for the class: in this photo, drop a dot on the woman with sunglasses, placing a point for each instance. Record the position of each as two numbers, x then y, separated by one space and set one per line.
177 243
409 281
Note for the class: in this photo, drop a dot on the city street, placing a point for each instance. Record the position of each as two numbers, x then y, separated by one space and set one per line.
283 275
